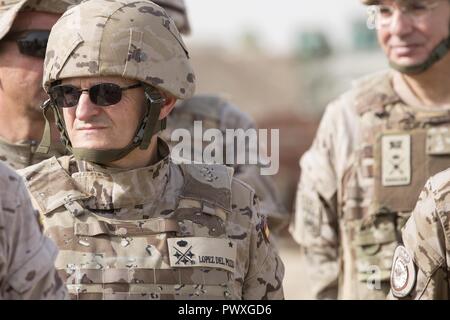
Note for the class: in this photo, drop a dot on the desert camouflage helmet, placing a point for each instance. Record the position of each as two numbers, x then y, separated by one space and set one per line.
178 12
10 8
440 51
132 39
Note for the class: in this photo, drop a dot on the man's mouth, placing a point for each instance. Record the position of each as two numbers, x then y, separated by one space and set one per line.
404 49
90 128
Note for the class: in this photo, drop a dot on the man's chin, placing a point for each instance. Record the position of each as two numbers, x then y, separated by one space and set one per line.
94 146
407 61
408 56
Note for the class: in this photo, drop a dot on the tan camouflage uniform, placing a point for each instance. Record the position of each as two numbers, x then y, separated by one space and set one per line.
217 113
21 155
26 255
360 180
421 271
115 231
159 232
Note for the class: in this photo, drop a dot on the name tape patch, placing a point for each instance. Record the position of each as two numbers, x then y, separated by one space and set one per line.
438 141
202 252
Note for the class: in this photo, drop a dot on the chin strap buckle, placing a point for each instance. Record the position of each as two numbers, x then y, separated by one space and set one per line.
46 140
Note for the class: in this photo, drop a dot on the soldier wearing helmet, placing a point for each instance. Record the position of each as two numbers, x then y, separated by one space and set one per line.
420 267
24 29
215 112
26 255
377 145
129 223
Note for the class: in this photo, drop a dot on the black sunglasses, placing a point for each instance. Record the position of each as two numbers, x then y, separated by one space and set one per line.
30 42
102 94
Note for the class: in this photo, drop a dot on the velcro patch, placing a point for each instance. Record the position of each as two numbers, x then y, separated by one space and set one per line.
403 274
308 205
396 160
438 141
202 252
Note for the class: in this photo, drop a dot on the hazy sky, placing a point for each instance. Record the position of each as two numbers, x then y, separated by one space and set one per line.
276 21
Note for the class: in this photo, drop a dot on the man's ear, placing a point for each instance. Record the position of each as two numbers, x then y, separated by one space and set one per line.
167 107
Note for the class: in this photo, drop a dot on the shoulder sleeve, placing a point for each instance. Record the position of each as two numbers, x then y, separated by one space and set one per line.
263 277
425 241
315 223
30 255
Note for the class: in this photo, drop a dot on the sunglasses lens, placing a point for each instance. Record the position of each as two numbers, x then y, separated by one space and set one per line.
34 44
105 94
65 96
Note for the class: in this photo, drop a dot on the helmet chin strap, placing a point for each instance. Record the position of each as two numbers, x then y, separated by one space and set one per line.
149 126
437 54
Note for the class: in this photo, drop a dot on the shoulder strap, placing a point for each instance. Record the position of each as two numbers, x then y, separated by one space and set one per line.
51 186
208 185
374 93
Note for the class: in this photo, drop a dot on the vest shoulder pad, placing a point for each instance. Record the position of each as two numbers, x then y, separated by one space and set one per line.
208 183
243 196
50 184
373 92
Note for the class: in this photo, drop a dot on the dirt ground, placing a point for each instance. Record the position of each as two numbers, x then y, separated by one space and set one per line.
293 280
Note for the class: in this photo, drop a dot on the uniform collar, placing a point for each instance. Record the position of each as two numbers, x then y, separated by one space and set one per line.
112 188
402 88
379 91
376 93
23 154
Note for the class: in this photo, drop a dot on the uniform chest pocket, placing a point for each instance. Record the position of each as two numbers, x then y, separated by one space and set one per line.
375 241
124 244
214 259
163 265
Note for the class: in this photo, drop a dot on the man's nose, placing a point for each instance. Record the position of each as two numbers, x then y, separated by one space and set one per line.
86 109
401 23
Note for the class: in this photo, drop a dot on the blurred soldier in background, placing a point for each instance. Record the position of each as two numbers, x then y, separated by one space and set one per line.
215 112
376 146
26 255
24 29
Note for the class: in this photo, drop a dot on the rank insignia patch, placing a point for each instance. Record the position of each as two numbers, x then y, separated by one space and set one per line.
396 160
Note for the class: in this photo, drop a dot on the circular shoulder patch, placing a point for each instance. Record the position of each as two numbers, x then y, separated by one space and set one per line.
403 273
